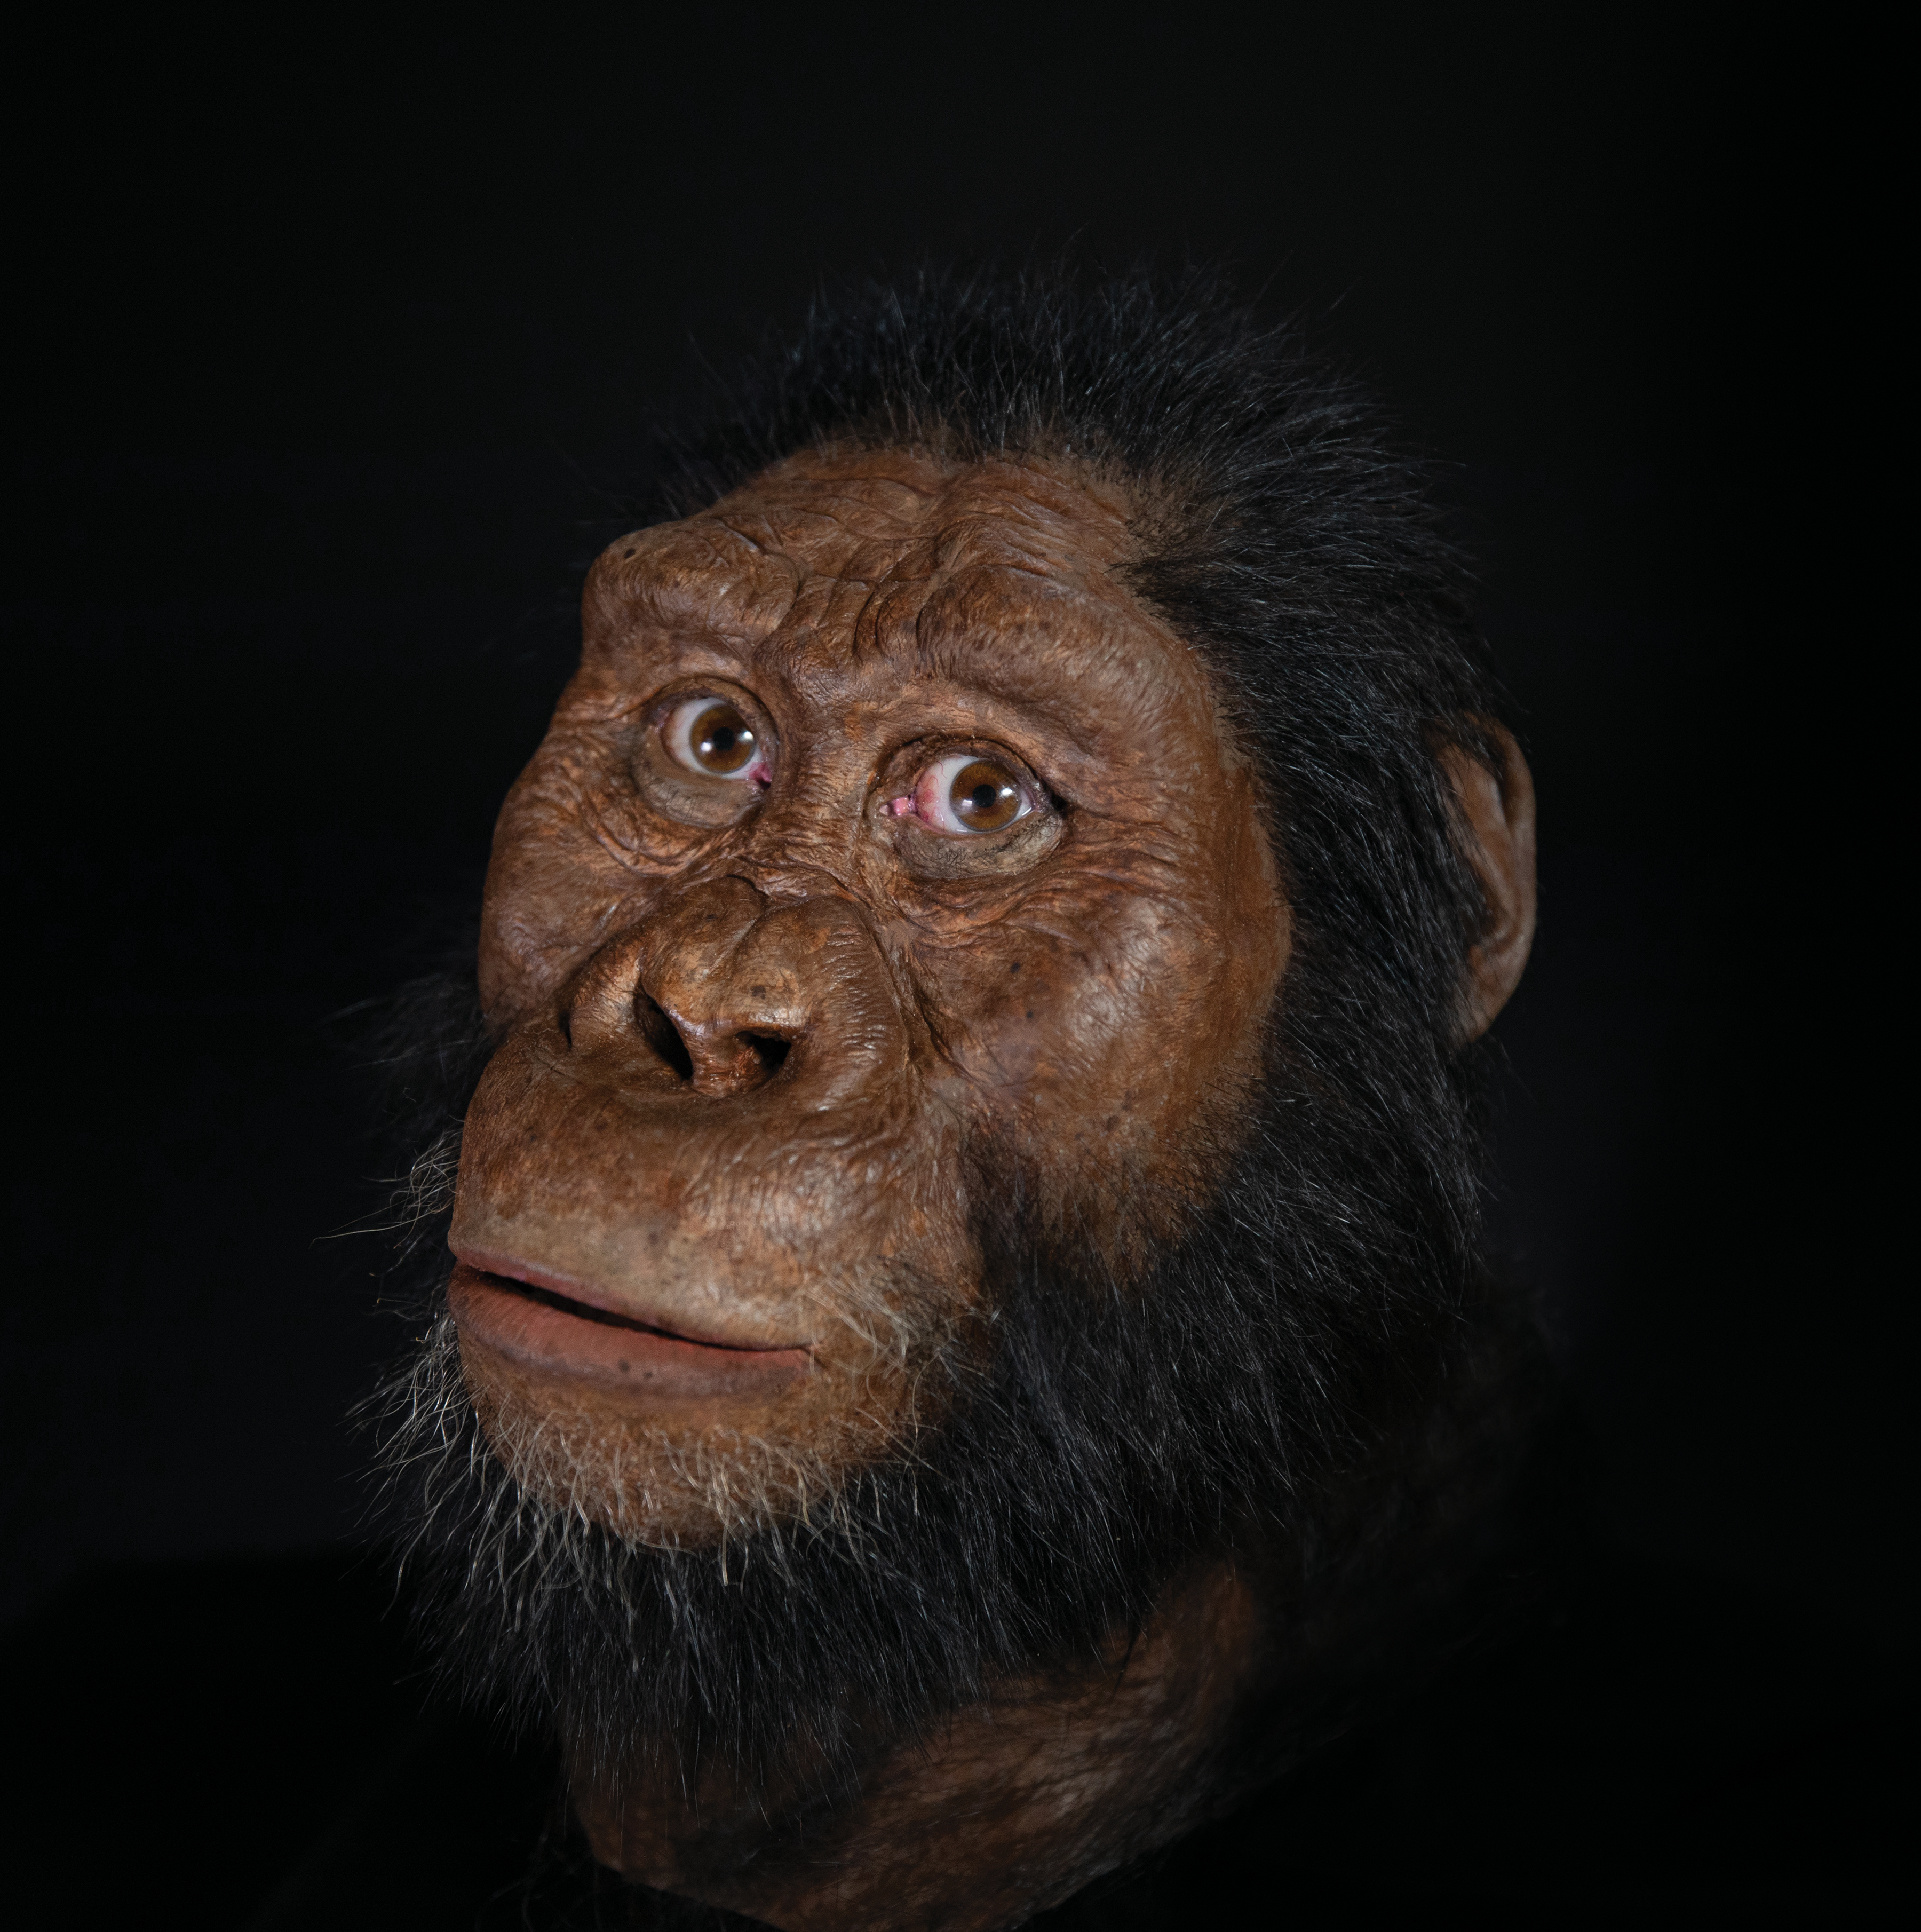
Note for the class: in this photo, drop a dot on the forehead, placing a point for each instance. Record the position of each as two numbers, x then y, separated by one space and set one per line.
827 564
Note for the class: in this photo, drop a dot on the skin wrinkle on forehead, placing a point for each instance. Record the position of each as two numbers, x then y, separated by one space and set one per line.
959 539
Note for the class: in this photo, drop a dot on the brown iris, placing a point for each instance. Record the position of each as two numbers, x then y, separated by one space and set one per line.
721 739
984 797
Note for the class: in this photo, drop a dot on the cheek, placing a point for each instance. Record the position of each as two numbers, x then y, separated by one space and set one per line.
1113 1020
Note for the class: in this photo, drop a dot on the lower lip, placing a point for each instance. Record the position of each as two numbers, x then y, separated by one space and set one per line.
631 1361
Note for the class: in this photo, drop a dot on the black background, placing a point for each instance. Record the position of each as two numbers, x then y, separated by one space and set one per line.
333 365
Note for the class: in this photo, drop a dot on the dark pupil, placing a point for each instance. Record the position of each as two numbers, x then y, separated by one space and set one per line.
723 739
985 796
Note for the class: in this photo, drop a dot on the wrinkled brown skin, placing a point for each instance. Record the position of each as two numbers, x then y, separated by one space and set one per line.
1088 987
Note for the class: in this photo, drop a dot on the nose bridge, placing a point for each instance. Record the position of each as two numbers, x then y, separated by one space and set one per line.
690 949
801 844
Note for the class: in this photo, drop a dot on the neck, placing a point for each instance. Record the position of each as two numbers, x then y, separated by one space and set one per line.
995 1813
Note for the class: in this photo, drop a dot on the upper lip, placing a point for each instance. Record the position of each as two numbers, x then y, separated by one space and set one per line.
594 1302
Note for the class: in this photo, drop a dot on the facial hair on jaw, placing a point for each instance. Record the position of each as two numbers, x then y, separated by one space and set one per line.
1112 1433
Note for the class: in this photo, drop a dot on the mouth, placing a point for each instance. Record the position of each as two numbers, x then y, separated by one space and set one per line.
540 1328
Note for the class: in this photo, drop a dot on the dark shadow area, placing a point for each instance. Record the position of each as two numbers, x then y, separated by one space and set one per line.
337 366
1639 1737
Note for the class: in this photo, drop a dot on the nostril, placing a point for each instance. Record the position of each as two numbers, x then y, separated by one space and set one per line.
664 1037
769 1049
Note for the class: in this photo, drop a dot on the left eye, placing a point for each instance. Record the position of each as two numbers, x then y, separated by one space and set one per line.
709 736
966 793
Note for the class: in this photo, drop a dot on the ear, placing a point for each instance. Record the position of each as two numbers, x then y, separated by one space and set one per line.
1497 818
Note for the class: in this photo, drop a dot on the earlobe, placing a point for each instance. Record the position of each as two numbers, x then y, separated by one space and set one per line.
1497 820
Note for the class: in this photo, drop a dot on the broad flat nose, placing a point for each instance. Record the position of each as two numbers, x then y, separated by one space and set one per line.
719 1054
720 994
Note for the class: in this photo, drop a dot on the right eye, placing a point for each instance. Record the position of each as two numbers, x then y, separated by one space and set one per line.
716 739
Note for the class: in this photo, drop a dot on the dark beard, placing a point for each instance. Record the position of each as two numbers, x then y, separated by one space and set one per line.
1271 1389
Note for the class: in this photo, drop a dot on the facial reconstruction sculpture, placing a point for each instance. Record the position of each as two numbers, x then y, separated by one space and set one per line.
965 1298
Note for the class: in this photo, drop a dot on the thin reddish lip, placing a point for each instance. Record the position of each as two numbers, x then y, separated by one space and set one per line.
553 1335
514 1273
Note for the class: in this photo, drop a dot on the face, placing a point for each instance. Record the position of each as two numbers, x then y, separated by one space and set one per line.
885 854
